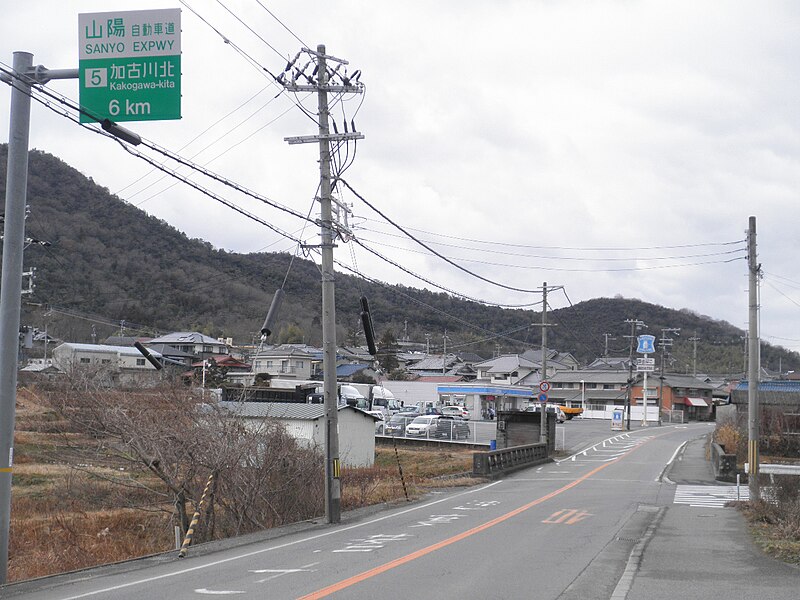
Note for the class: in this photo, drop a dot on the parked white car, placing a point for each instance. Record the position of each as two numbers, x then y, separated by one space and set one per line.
422 426
456 411
379 425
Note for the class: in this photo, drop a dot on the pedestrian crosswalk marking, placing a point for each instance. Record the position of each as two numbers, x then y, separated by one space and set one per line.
713 496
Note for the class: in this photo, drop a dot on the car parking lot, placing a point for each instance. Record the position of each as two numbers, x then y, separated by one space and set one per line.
440 427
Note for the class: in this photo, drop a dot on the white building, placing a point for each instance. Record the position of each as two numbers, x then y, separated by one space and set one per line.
306 423
122 364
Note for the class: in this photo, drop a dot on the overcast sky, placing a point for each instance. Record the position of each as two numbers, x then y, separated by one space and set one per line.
612 147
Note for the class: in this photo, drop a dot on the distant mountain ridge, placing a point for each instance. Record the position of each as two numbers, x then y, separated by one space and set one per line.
114 267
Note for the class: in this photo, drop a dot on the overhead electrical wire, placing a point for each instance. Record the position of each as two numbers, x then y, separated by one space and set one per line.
161 167
569 270
427 247
570 258
397 291
582 248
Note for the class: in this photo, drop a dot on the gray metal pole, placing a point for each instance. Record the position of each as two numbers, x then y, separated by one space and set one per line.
543 420
332 481
753 363
11 287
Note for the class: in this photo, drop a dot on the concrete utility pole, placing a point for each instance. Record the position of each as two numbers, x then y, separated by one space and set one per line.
753 424
322 86
11 286
694 339
607 336
543 420
445 337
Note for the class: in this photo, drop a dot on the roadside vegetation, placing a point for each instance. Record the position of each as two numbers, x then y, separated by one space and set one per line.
775 519
103 475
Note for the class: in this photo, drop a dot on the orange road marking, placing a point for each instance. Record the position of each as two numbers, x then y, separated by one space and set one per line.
568 517
350 581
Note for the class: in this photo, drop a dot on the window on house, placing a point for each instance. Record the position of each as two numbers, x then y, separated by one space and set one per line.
557 385
207 349
139 362
591 386
269 364
298 364
105 361
608 386
85 361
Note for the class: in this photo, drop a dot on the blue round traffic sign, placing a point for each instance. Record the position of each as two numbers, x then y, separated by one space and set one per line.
543 397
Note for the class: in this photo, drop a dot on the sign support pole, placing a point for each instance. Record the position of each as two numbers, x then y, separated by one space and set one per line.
11 286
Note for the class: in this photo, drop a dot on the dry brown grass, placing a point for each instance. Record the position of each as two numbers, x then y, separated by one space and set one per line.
65 518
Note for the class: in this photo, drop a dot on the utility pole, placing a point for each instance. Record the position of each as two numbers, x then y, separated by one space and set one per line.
322 86
753 424
694 339
635 324
445 337
427 344
607 337
664 344
543 376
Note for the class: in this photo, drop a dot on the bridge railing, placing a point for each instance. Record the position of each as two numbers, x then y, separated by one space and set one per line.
497 462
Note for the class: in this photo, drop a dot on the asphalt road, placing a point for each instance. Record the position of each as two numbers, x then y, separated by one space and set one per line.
561 530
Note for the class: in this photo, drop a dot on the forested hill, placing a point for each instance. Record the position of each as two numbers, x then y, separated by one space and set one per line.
110 262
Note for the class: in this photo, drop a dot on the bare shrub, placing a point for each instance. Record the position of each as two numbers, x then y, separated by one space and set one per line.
169 442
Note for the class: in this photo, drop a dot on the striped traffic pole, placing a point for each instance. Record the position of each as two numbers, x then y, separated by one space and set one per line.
187 541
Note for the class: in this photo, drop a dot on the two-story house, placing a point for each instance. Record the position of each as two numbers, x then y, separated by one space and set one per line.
286 362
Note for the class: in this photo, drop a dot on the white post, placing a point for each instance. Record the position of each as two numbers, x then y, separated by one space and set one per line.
644 396
583 399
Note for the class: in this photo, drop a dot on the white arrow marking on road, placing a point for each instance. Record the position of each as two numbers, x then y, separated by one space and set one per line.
218 592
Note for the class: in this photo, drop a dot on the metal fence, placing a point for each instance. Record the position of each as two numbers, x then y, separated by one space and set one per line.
462 431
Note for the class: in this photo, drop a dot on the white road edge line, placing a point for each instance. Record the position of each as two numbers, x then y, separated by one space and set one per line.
278 547
661 476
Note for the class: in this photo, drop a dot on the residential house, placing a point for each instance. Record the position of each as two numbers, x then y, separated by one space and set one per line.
287 361
782 394
556 361
509 369
432 366
346 372
193 343
614 363
672 391
306 423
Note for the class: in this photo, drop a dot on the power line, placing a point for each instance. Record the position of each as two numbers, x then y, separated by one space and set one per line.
564 269
427 247
582 248
568 258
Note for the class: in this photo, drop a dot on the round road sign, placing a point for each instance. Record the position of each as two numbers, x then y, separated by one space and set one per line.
542 397
544 386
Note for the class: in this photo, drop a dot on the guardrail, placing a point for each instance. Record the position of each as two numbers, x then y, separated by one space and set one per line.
496 462
775 469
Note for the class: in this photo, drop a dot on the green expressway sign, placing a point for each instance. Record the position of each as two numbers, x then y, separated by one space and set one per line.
130 65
